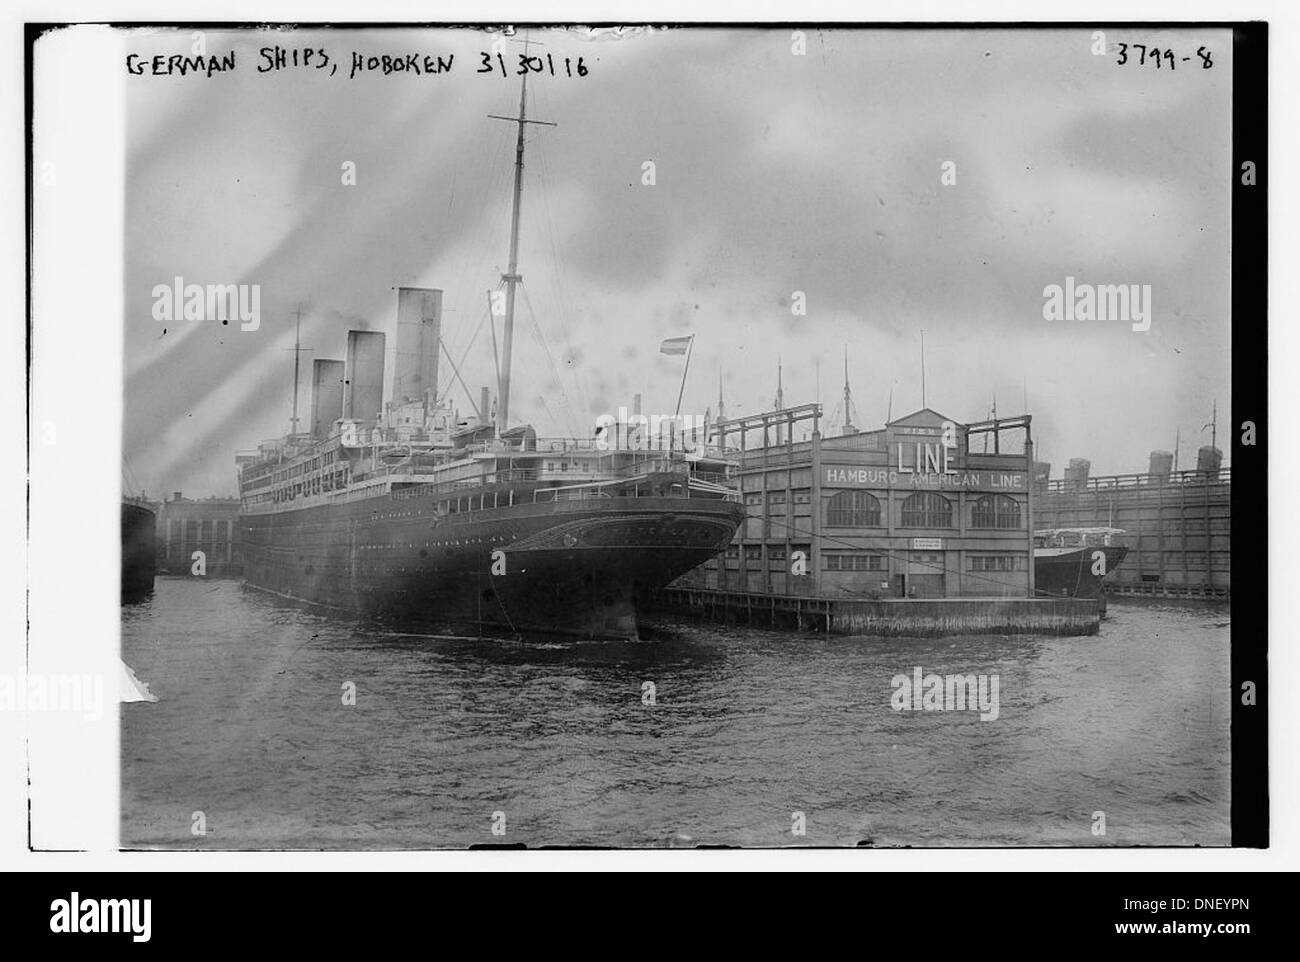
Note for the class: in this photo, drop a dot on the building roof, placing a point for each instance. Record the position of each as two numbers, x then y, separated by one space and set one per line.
924 418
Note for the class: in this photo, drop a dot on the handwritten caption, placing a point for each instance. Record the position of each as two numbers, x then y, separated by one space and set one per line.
317 59
1141 55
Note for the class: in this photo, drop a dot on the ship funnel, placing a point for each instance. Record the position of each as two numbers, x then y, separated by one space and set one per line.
363 391
326 396
1076 473
1161 463
1209 460
419 326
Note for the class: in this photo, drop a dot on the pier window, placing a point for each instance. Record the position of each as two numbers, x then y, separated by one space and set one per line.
997 562
843 561
995 511
925 509
853 509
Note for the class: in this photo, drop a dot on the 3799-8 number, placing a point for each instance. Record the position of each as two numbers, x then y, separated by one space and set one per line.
1145 53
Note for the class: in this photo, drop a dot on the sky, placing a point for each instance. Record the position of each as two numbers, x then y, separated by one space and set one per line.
775 172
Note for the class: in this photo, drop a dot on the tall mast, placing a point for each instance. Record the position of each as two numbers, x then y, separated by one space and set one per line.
512 277
297 350
996 433
922 368
848 395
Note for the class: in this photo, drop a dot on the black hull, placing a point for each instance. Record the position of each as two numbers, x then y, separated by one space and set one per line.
139 552
583 567
1070 575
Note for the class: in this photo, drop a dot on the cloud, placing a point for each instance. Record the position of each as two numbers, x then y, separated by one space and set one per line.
773 174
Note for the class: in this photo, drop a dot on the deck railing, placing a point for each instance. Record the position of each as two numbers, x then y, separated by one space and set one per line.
1120 482
477 493
595 467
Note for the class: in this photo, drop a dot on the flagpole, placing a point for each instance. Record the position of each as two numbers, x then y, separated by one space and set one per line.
686 367
922 368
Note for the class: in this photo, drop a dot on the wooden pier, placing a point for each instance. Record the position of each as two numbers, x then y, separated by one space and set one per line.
1172 592
892 617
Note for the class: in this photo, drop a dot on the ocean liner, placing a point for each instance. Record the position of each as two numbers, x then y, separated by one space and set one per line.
405 510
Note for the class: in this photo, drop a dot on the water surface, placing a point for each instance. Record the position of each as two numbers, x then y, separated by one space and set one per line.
748 727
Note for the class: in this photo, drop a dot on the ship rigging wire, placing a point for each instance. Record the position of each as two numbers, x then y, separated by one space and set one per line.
559 285
550 358
555 289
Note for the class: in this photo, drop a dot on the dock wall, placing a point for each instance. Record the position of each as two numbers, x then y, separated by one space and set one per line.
208 525
1178 529
895 617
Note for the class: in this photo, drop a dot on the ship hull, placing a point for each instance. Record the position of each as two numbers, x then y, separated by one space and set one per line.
583 568
1070 573
139 552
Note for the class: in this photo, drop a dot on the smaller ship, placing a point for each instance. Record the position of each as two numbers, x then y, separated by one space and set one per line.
1075 562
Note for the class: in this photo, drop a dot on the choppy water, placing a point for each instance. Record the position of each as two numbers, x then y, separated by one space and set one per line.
748 728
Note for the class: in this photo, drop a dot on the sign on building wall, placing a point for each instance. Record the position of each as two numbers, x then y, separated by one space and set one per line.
959 479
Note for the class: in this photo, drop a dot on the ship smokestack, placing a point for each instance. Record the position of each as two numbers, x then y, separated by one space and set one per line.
419 327
636 404
326 396
1209 460
483 404
1076 473
363 391
1161 463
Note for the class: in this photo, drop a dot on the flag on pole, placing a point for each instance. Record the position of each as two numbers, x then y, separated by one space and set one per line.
676 345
